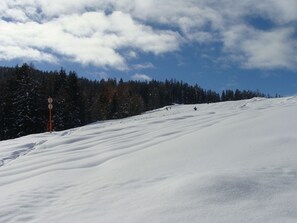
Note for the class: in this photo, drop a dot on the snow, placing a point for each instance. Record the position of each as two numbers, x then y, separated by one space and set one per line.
225 162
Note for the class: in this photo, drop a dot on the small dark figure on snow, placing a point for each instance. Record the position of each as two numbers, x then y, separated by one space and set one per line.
195 108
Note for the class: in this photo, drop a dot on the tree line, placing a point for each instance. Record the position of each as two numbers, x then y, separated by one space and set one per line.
79 101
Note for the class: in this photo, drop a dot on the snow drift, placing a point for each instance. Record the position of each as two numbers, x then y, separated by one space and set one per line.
225 162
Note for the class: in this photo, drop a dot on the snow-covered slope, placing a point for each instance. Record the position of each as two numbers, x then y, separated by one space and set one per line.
225 162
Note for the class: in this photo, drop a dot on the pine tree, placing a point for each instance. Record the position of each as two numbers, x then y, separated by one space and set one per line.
73 102
27 104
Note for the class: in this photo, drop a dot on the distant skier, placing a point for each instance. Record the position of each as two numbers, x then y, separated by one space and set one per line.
195 108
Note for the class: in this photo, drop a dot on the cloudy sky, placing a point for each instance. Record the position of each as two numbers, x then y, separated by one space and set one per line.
218 44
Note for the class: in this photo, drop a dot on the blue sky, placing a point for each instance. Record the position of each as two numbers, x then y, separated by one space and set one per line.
217 44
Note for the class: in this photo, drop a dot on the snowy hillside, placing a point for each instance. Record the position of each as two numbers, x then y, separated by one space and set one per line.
225 162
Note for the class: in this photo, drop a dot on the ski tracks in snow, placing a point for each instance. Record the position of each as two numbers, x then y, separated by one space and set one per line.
19 152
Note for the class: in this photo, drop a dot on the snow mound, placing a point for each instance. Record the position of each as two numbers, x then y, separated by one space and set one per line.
225 162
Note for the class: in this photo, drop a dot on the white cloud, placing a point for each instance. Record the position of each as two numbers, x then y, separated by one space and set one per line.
90 38
100 76
281 12
141 77
261 49
15 52
268 50
108 33
16 14
142 66
131 54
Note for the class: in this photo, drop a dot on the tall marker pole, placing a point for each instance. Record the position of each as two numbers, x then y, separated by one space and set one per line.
50 107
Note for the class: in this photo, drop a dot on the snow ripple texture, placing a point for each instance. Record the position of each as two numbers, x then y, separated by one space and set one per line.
225 162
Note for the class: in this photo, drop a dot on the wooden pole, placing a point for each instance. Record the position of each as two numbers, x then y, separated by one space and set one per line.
50 120
50 107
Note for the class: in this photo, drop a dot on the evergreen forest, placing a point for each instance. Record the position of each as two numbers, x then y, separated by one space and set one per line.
24 91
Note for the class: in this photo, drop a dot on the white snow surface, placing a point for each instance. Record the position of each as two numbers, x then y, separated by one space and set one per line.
226 162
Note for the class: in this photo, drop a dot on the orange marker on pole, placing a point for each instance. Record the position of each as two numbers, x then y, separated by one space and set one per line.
50 107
